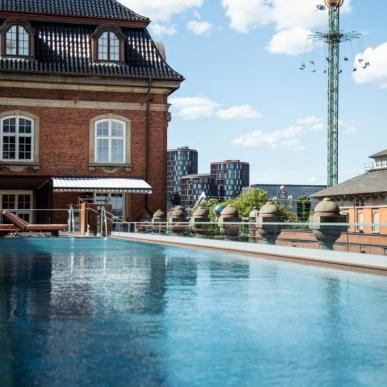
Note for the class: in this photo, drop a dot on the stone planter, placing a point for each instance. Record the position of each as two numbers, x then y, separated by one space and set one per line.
199 216
178 218
327 211
269 213
229 215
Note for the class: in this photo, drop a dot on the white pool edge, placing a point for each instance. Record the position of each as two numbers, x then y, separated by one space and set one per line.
352 261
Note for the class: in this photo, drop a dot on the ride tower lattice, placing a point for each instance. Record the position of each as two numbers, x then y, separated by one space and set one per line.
333 39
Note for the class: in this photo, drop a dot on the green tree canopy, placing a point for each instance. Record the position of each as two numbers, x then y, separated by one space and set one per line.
247 201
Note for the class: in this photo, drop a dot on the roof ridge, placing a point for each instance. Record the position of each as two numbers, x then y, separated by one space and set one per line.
100 9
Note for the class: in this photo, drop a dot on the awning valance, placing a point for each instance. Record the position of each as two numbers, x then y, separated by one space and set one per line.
101 184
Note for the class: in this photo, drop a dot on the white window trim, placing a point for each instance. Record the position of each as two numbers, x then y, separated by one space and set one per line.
17 135
109 48
110 138
16 193
17 48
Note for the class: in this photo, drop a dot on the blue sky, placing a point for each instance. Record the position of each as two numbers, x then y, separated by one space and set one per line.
244 96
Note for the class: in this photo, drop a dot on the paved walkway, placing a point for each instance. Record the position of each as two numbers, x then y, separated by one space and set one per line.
348 261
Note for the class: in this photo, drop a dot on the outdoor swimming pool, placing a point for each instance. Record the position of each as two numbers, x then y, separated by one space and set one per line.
106 312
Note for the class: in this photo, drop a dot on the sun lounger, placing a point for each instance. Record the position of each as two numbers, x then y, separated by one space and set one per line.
27 227
6 229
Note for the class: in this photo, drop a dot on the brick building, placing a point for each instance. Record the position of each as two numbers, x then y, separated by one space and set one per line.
83 102
364 198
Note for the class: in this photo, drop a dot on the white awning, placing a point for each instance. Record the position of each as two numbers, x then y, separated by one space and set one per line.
101 184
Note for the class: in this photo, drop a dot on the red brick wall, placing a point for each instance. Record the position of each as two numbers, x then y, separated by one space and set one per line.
64 140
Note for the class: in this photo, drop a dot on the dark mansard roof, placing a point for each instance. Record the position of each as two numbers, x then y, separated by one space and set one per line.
106 9
372 182
66 49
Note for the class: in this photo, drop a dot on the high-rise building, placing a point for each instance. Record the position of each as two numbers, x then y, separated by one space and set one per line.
231 176
182 161
192 186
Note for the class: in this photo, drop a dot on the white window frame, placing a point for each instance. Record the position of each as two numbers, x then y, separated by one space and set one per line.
112 55
17 135
110 138
20 31
375 224
16 209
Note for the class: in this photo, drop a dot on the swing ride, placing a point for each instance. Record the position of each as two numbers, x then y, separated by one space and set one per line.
333 66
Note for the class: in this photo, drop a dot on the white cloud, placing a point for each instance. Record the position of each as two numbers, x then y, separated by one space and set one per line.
161 10
289 16
199 27
193 107
235 112
376 72
311 122
291 42
247 14
198 107
289 138
163 29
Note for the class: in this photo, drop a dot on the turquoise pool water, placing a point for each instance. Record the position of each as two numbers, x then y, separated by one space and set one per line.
114 313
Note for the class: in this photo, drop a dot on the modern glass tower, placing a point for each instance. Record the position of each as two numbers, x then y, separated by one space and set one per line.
231 176
182 161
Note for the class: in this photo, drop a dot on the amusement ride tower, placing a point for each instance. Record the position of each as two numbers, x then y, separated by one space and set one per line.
333 39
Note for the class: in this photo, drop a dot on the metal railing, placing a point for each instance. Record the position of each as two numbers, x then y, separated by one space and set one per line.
351 237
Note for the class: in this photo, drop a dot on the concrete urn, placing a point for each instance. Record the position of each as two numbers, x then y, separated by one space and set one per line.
269 213
229 215
158 221
327 211
199 216
178 219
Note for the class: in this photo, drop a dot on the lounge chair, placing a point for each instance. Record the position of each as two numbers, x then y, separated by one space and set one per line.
6 229
27 227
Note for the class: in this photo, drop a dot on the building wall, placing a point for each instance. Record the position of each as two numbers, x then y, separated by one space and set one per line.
354 216
64 136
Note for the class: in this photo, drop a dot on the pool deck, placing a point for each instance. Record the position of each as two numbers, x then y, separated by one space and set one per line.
348 261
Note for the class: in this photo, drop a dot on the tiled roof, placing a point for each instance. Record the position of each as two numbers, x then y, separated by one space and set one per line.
371 182
107 9
66 49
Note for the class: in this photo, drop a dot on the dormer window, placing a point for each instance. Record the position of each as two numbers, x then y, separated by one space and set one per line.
109 47
108 44
17 39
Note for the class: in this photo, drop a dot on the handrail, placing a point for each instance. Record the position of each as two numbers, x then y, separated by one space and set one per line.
283 224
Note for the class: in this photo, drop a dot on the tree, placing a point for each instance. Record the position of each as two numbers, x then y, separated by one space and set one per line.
303 208
247 201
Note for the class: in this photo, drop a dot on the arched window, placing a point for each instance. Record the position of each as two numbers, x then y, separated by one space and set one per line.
110 141
17 41
109 47
17 139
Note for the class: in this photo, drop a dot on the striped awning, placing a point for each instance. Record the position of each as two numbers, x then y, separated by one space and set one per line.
101 184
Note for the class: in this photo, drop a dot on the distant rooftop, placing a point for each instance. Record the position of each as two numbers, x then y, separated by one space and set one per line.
372 182
198 175
379 154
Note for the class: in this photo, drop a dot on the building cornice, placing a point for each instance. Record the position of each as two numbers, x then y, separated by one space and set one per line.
83 83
